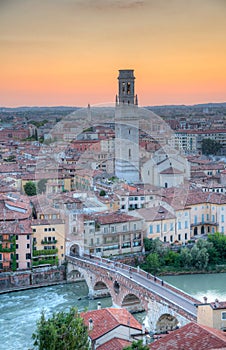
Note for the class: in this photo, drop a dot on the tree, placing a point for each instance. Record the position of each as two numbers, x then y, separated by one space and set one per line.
137 345
210 146
102 193
42 186
61 331
153 263
30 188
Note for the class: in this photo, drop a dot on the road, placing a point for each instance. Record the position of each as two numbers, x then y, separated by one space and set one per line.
153 286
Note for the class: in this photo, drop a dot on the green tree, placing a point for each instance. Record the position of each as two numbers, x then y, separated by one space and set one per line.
41 186
219 244
137 345
102 193
186 258
63 331
30 188
210 146
153 263
153 245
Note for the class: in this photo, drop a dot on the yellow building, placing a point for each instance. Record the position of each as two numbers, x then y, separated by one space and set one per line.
212 314
48 238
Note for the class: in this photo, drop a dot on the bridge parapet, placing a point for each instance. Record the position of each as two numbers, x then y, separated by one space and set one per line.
135 289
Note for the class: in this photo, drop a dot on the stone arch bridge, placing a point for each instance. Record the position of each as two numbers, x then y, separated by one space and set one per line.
166 306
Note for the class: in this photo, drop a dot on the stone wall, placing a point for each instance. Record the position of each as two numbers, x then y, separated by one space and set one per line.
27 279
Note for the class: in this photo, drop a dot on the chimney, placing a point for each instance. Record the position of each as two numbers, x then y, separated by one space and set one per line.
205 300
216 303
99 305
90 324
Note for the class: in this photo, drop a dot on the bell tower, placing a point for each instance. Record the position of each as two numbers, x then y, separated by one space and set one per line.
126 128
126 87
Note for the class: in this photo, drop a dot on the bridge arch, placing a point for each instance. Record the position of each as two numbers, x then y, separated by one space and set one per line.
166 322
101 289
75 250
132 303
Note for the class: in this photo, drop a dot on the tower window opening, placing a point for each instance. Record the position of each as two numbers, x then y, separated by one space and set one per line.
123 87
129 153
128 88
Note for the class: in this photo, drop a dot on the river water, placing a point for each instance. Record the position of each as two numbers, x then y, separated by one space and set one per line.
19 311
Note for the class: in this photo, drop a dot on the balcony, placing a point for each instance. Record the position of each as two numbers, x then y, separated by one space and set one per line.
54 241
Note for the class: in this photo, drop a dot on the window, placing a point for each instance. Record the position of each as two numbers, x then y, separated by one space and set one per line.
222 218
34 229
185 236
207 217
195 219
45 229
16 237
223 315
134 226
17 246
171 226
179 225
28 256
53 229
151 229
17 256
129 153
213 218
203 218
158 228
112 229
28 245
186 224
171 238
179 237
124 228
0 256
165 227
222 229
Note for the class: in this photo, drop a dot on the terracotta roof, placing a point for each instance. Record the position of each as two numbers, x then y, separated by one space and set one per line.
114 344
191 337
171 170
105 320
155 213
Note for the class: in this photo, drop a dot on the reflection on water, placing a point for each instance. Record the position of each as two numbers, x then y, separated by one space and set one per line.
199 285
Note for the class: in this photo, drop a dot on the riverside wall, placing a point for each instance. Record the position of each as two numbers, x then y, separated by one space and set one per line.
10 281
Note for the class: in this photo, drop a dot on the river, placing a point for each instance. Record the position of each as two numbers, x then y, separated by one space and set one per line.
19 311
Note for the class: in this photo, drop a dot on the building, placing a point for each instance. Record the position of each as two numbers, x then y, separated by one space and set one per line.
112 234
192 336
212 314
112 326
126 129
48 236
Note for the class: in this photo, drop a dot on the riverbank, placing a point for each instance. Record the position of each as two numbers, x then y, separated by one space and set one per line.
36 278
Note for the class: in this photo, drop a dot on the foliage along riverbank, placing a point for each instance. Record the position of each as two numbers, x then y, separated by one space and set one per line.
203 256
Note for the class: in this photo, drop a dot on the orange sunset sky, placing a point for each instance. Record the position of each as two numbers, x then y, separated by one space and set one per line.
68 52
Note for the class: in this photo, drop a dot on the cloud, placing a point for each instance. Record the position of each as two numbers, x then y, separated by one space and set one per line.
112 4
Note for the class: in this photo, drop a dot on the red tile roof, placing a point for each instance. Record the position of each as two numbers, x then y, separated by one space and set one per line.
191 337
114 344
105 320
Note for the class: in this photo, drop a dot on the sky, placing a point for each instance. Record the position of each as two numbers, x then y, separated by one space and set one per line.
68 52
